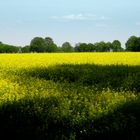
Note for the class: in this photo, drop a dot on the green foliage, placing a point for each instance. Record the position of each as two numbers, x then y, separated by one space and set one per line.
115 77
37 45
25 49
82 47
4 48
116 46
133 44
50 45
96 47
70 102
66 47
102 47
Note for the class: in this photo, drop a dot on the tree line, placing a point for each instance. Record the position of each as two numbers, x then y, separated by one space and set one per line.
39 44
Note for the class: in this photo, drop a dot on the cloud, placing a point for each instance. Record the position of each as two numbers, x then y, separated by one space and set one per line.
79 17
71 17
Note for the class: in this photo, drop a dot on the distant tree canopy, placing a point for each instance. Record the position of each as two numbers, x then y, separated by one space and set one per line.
133 44
66 47
47 44
116 46
102 46
25 49
50 45
39 45
5 48
83 47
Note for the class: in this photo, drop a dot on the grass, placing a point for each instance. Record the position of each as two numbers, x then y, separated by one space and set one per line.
70 96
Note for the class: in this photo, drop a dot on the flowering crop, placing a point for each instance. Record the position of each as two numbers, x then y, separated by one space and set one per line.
70 95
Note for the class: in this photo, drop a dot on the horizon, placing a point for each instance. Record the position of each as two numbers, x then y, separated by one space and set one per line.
73 21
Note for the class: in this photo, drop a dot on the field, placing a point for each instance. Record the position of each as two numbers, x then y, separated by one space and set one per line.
70 96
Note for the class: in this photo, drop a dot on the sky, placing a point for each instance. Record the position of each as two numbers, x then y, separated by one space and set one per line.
74 21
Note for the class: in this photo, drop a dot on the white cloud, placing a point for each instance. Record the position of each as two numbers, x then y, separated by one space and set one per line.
80 17
75 17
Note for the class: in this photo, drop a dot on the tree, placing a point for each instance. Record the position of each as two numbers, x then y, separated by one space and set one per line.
133 44
5 48
59 49
66 47
101 46
50 45
25 49
116 46
97 47
91 47
37 45
109 47
82 47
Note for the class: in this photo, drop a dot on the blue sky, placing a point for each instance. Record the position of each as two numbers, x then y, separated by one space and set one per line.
68 20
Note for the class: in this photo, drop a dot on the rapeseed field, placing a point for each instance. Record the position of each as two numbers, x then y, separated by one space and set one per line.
70 96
